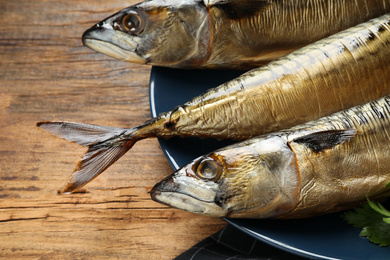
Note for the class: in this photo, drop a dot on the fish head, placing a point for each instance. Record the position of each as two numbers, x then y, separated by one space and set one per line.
154 32
246 180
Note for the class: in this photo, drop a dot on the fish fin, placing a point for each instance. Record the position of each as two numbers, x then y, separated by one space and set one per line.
105 146
82 134
95 161
323 140
239 9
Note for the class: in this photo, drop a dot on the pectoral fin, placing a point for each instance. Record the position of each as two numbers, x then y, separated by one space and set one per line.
323 140
239 9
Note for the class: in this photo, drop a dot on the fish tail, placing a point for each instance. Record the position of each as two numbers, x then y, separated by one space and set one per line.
105 146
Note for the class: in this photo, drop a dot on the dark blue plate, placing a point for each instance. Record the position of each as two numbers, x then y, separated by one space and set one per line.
324 237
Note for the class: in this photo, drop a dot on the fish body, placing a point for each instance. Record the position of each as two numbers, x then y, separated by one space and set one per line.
336 73
223 33
322 166
333 74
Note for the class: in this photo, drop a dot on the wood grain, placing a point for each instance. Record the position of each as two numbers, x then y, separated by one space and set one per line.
46 74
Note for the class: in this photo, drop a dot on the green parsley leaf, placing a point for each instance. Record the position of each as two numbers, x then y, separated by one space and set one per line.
374 219
362 217
378 207
378 233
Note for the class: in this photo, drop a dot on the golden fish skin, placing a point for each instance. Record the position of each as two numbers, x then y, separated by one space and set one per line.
344 70
323 166
237 34
333 74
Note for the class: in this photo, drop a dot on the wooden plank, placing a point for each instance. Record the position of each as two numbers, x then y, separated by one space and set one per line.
46 74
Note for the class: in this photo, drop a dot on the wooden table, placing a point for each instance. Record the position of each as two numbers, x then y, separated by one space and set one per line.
47 74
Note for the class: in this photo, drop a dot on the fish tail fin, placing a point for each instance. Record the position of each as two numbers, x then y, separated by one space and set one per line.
105 146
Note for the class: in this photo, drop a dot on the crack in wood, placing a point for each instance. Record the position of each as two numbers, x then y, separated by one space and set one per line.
21 219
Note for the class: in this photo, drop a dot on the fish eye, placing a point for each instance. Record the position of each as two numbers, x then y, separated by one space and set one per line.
208 169
134 22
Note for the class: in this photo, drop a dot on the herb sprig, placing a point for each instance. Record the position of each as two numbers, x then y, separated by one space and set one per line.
374 219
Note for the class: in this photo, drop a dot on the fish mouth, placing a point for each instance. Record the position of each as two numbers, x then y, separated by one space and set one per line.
113 43
188 203
183 193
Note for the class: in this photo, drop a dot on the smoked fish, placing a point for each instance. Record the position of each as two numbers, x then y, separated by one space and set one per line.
235 34
322 166
333 74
